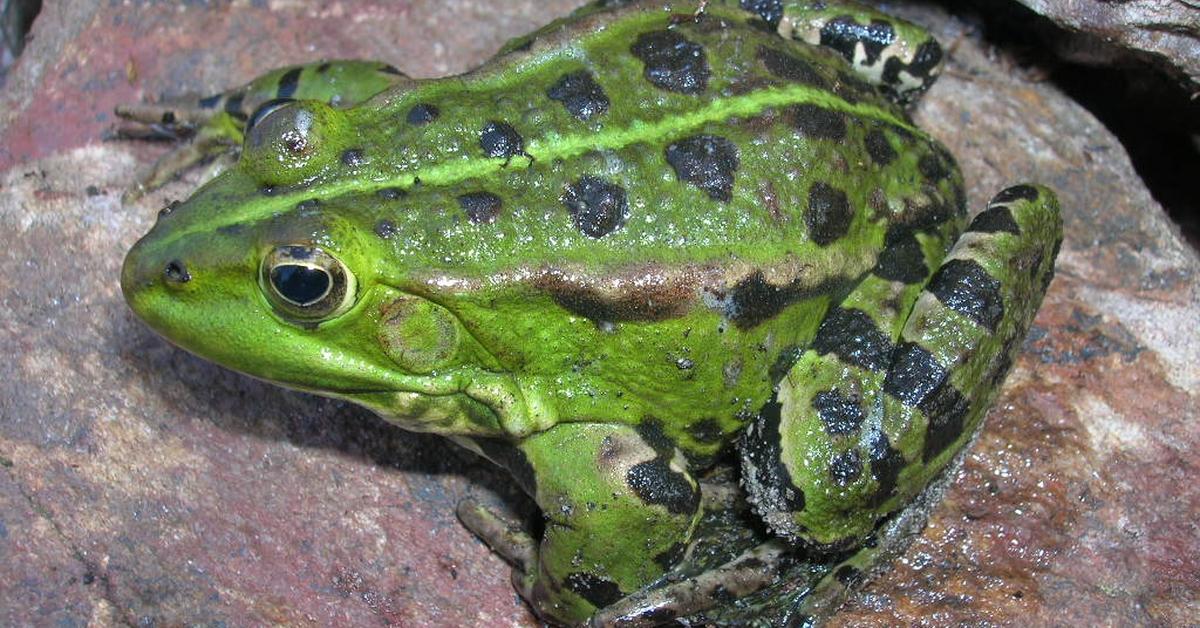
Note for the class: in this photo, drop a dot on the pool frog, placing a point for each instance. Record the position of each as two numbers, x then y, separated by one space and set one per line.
644 238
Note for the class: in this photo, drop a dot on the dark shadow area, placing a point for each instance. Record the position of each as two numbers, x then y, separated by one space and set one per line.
16 17
235 402
1151 113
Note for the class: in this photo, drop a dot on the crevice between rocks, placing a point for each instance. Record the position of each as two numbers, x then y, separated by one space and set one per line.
1154 114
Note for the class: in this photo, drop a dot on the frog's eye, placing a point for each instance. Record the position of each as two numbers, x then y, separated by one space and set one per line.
306 283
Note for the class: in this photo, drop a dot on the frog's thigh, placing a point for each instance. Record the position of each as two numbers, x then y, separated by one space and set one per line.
896 55
619 511
864 420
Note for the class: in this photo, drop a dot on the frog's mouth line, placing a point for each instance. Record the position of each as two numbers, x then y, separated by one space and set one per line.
543 150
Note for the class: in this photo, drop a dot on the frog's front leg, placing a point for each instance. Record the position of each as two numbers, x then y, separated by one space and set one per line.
619 511
888 393
897 56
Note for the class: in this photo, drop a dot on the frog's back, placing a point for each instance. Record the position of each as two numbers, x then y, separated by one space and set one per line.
629 141
639 213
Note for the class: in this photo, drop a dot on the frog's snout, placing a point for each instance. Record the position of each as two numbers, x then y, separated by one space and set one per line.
145 271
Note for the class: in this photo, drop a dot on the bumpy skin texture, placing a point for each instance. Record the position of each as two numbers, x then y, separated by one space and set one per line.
633 239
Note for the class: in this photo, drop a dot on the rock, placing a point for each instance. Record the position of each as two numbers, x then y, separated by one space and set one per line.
141 485
1167 32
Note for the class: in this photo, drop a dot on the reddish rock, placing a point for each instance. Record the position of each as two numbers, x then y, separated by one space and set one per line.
139 484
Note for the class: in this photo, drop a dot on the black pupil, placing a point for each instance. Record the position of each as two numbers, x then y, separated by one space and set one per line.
304 285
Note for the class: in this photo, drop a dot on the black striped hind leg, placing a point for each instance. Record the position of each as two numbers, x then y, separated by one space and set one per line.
886 396
899 57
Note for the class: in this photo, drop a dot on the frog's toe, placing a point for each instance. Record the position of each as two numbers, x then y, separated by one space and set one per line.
505 537
753 571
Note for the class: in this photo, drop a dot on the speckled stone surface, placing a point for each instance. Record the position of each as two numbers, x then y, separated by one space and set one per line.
141 485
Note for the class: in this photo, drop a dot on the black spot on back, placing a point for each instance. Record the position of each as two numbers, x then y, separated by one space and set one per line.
851 335
353 157
966 287
914 373
879 148
499 139
597 207
932 214
232 229
176 272
994 220
819 123
391 194
599 591
210 101
707 162
480 207
901 258
829 214
422 114
288 83
788 67
933 167
580 94
655 482
845 468
672 62
385 229
840 414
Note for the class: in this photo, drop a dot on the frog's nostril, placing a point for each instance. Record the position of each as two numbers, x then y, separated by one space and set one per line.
176 272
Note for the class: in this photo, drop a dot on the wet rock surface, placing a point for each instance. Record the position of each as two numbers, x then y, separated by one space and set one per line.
141 485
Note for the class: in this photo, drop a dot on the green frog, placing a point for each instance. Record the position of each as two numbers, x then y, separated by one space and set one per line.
641 240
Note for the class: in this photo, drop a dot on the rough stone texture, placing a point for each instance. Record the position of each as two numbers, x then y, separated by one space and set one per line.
1167 31
141 485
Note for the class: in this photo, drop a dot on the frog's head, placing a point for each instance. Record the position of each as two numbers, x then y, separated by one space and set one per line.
257 273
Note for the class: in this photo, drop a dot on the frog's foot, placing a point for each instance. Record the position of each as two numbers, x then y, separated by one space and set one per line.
219 149
506 537
899 57
171 121
201 134
753 571
886 396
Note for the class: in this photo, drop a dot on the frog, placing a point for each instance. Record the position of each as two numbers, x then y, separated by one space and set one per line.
648 239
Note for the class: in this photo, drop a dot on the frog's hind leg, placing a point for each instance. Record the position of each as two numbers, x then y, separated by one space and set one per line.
886 395
899 57
620 508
